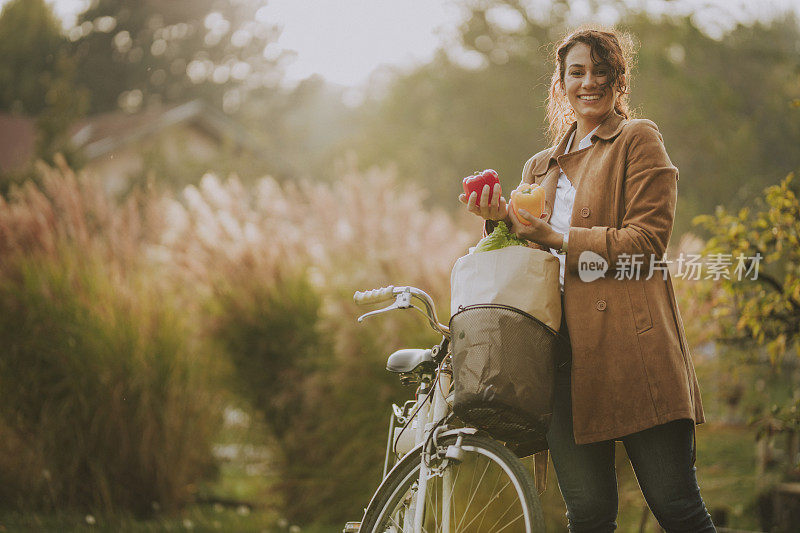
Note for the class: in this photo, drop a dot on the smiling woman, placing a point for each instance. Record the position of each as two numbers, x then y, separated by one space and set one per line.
589 88
586 70
625 372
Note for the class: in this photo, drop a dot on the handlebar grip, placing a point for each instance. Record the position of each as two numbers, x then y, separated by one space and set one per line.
374 296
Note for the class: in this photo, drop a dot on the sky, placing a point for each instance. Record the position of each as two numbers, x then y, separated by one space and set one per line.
346 40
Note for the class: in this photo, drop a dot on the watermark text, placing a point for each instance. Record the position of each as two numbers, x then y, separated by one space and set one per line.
592 266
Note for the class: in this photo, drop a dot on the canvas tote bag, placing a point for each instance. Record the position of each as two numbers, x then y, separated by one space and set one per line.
516 276
505 315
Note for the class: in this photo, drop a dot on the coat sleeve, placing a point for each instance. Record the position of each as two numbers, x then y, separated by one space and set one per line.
650 194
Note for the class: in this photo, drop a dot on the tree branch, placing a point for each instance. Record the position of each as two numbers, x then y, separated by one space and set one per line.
768 279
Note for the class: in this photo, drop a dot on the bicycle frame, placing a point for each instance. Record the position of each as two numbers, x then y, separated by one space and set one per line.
439 411
438 450
429 415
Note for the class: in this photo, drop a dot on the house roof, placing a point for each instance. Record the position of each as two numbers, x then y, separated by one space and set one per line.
101 134
17 141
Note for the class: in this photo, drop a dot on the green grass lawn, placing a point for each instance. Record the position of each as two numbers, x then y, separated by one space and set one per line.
195 518
241 499
725 470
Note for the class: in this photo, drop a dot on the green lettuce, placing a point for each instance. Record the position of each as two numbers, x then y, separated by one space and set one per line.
499 238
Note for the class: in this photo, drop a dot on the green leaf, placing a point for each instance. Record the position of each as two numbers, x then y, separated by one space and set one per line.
501 237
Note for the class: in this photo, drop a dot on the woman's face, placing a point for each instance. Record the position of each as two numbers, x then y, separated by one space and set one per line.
587 85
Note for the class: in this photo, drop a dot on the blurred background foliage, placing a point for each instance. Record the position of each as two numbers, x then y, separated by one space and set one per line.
183 350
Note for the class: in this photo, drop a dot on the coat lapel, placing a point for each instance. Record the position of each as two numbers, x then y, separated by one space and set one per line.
550 184
548 169
573 163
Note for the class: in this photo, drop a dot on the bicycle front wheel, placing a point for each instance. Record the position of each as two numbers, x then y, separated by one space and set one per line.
489 490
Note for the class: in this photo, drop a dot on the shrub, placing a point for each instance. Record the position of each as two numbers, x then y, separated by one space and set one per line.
282 263
110 309
105 398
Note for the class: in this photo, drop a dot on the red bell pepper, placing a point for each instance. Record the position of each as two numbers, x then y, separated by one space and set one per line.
476 182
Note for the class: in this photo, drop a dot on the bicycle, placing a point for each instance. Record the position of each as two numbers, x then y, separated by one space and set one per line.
439 475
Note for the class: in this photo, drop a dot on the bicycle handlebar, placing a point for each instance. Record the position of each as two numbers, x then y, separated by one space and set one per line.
402 297
374 296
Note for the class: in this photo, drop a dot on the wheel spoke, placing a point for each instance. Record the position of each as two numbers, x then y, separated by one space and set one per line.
473 493
396 524
494 491
435 508
501 517
498 493
490 502
453 485
505 526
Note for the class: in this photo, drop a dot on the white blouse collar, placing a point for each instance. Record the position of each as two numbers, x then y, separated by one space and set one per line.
586 141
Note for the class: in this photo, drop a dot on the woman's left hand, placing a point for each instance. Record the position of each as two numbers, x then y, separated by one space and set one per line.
539 231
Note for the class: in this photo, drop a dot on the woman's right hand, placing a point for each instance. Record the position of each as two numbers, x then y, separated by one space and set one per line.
497 210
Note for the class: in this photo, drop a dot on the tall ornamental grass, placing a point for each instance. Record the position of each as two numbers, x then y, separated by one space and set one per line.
111 312
105 397
281 263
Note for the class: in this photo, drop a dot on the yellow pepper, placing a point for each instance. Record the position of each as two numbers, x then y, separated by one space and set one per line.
530 197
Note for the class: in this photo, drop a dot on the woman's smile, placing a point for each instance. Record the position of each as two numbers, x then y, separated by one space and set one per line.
588 87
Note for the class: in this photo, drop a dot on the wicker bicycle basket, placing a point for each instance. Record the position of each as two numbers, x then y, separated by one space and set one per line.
503 368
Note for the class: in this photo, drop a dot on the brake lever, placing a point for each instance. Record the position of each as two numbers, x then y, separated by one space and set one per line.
402 301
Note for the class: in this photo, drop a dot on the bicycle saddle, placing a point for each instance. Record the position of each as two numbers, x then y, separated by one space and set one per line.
408 360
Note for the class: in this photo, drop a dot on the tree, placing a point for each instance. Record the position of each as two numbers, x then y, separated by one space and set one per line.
720 103
476 105
131 52
37 75
65 103
30 47
763 309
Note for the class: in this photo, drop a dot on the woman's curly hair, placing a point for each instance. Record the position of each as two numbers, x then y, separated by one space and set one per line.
612 47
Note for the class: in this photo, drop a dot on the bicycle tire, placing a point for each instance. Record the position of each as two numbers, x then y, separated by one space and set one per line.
389 507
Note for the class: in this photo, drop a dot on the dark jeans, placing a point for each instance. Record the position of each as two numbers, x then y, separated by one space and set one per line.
661 457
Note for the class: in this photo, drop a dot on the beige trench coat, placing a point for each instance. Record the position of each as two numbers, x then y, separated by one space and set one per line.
631 366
